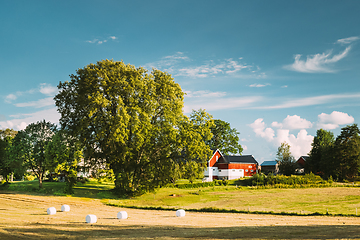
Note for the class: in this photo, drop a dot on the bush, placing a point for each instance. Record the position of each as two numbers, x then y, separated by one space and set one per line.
286 181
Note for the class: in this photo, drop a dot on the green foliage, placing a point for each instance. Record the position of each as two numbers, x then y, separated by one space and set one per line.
285 159
320 157
29 148
346 158
133 121
224 138
7 166
339 159
63 155
285 181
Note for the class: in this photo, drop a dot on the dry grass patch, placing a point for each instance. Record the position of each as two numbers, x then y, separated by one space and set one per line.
24 217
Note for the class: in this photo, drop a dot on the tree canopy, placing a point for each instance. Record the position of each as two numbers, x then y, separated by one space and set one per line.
29 148
224 138
285 159
320 154
132 120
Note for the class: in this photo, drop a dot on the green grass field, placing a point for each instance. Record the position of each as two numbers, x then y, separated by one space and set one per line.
334 200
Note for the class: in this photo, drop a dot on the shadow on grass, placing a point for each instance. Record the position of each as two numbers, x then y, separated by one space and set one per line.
98 231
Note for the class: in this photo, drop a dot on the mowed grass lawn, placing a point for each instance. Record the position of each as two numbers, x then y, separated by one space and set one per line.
335 200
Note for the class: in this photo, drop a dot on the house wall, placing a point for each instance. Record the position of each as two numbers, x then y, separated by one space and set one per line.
249 169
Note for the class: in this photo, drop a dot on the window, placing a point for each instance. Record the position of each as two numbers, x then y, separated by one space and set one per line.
233 170
246 170
213 169
219 170
250 166
252 170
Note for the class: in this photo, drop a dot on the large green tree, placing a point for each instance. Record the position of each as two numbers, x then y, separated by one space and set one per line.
29 147
320 156
285 159
7 166
132 120
346 157
224 138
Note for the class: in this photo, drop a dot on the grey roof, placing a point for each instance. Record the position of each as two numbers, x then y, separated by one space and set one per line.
269 163
240 159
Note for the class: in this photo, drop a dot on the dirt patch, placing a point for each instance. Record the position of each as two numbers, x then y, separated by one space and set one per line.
25 217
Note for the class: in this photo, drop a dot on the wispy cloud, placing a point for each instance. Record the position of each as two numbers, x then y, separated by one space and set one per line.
318 63
258 85
11 97
48 89
44 88
347 40
37 104
311 101
20 121
101 40
178 65
212 101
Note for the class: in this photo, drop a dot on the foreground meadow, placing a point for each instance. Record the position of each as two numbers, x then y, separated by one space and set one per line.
24 217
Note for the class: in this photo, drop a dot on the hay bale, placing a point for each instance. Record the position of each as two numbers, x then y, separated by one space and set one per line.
122 215
91 218
65 208
180 213
51 211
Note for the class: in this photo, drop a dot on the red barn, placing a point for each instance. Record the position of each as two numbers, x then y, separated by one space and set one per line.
230 167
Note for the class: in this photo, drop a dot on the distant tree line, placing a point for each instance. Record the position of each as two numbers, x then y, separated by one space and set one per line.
338 158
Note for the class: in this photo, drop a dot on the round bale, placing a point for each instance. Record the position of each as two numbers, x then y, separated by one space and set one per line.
51 211
122 215
65 208
180 213
91 218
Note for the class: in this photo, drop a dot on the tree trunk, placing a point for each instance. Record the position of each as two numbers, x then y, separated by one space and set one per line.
40 181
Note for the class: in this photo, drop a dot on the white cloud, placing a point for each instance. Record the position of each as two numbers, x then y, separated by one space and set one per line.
299 144
347 40
318 63
37 104
293 122
20 121
11 97
113 37
259 85
48 89
258 127
333 120
244 147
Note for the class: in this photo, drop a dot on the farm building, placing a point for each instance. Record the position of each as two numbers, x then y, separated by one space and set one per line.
230 167
270 167
300 164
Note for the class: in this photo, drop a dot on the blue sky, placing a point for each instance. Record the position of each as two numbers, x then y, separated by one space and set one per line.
275 70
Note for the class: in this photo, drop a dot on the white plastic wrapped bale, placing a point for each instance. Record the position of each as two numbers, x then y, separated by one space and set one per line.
91 218
65 208
51 211
180 213
122 215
